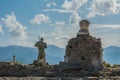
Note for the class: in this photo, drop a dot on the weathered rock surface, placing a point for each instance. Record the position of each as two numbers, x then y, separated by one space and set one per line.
84 52
61 78
26 70
8 71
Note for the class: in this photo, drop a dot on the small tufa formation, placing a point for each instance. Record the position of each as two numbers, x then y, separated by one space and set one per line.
84 25
84 52
14 59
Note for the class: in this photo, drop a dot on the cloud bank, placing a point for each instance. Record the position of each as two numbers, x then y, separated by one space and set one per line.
73 4
51 4
103 8
1 31
16 29
74 18
39 19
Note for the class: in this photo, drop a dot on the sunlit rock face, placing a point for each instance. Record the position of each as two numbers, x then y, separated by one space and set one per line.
84 51
84 26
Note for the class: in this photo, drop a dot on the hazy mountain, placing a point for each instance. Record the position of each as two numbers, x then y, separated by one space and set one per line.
112 55
27 55
53 54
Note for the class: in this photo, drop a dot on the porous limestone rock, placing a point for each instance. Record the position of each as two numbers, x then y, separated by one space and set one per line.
84 52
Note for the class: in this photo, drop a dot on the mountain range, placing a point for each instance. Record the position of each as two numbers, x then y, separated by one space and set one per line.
27 55
112 55
54 54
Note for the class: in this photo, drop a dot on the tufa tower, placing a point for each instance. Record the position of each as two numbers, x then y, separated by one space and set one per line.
83 52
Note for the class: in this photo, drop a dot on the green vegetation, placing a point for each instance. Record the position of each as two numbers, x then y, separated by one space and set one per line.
115 65
109 65
19 63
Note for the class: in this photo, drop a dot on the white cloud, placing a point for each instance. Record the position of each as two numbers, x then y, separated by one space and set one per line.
59 10
73 4
1 31
105 26
51 4
102 8
60 23
109 34
68 6
16 29
39 19
74 18
60 35
56 39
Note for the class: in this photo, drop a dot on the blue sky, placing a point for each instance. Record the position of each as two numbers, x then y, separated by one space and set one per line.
23 21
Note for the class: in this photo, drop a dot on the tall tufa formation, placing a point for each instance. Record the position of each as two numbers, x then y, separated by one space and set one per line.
84 52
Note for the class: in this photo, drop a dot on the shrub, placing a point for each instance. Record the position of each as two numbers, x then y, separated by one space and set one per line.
106 64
